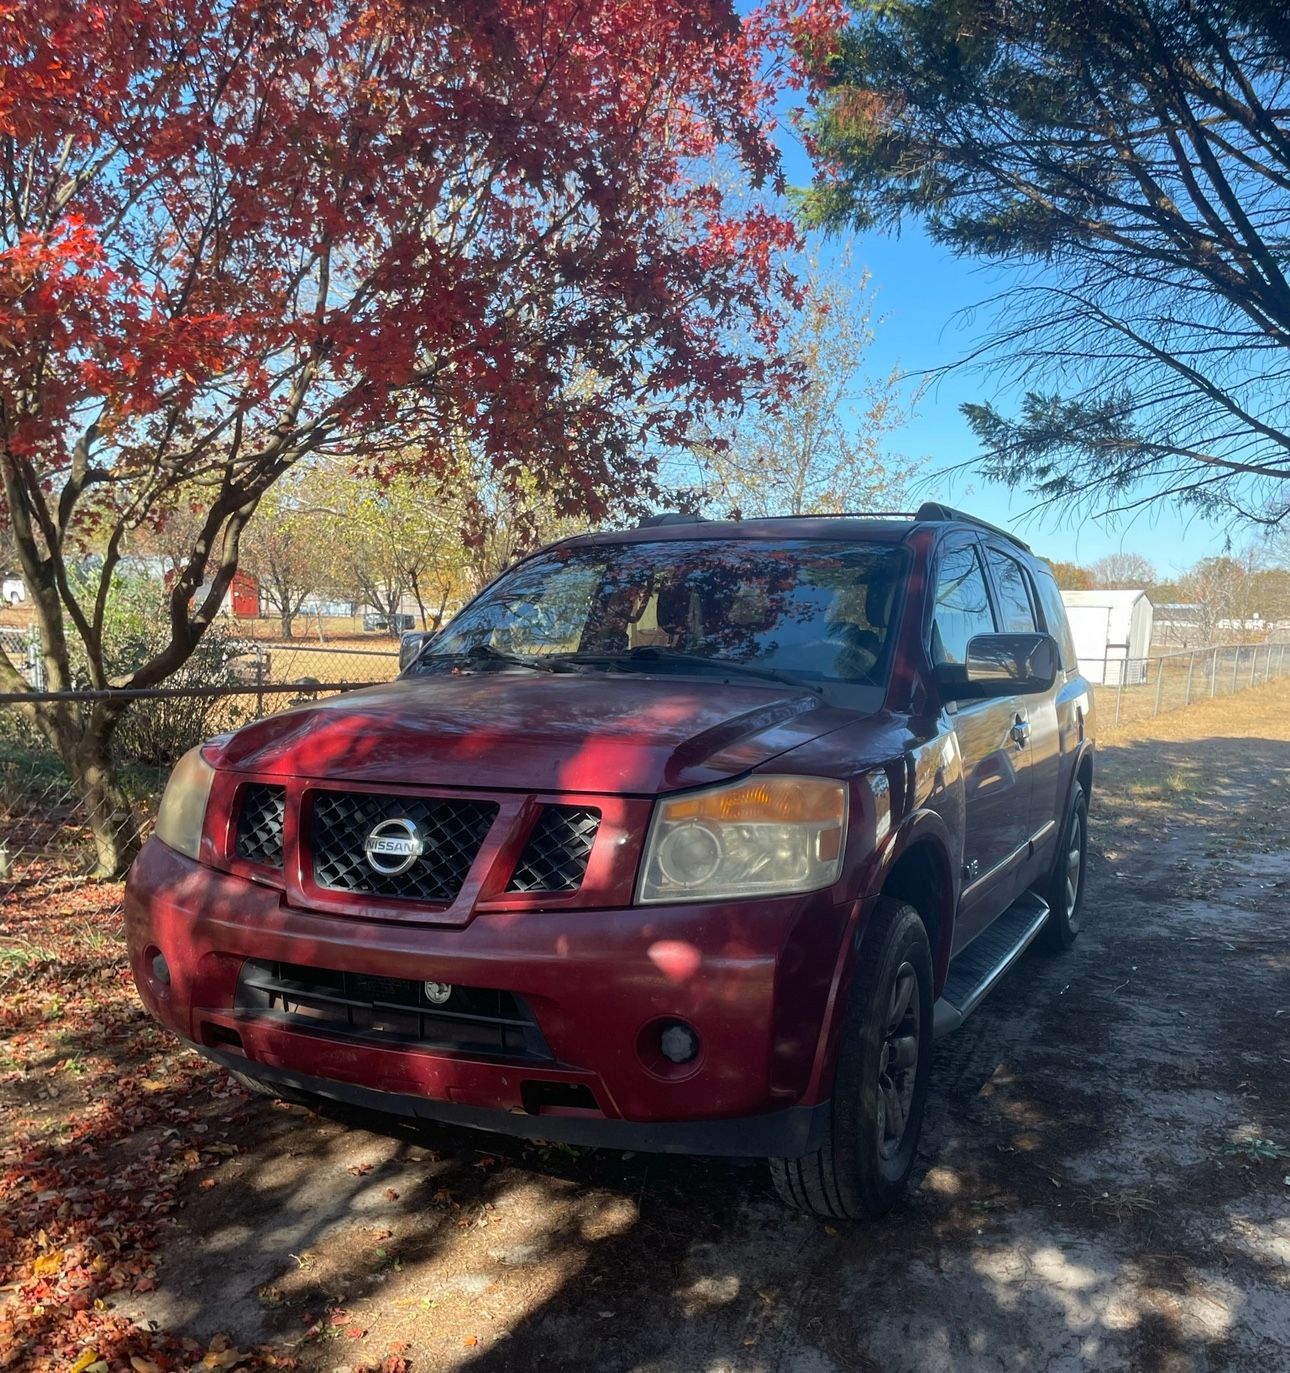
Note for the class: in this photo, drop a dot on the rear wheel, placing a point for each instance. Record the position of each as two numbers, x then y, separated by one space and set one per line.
880 1086
1065 894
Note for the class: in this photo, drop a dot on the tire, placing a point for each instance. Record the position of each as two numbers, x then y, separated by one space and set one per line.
863 1167
1065 890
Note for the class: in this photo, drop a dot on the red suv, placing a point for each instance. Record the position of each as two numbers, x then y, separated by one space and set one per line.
689 837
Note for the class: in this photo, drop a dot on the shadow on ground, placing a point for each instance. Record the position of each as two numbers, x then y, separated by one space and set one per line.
1092 1190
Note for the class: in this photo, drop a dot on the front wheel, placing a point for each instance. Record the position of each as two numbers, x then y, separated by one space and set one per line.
880 1086
1065 894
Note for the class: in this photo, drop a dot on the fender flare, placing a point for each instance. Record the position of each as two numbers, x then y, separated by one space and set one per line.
919 826
925 826
1087 749
1083 751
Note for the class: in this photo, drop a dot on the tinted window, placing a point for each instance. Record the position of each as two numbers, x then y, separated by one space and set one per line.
962 606
1015 610
1055 621
820 610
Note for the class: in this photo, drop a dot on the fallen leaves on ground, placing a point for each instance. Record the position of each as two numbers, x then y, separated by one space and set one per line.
103 1116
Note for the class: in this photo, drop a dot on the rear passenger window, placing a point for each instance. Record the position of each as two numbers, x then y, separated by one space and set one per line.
1055 620
1014 595
962 606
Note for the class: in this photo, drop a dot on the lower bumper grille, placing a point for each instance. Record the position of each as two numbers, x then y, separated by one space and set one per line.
390 1010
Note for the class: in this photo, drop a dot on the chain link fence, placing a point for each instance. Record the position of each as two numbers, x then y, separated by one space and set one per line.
46 832
264 668
22 648
1130 689
46 838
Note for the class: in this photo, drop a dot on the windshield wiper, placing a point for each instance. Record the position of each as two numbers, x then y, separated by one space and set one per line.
644 654
480 654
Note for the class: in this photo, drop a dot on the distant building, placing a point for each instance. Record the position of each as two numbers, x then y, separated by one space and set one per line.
329 604
244 596
1112 632
1178 622
241 600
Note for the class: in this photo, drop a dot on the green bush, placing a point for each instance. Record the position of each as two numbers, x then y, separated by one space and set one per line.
154 733
157 732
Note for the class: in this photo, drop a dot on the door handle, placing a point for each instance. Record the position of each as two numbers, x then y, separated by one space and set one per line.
1020 732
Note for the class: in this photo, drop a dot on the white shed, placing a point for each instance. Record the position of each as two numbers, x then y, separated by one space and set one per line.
1112 633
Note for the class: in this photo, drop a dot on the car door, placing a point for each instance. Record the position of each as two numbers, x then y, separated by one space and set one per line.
1018 604
996 800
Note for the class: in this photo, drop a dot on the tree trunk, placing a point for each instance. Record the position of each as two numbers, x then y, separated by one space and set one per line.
287 620
421 605
82 738
111 818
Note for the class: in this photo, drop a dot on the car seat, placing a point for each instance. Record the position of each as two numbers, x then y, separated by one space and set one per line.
673 612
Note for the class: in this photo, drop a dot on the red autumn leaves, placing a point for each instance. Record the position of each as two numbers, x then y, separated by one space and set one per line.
220 221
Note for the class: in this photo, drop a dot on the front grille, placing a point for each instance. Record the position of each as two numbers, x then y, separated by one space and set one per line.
386 1010
259 824
451 832
555 857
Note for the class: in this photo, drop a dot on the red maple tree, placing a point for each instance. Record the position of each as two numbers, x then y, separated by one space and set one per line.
233 235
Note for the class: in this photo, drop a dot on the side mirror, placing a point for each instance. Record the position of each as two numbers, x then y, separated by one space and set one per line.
1001 665
410 646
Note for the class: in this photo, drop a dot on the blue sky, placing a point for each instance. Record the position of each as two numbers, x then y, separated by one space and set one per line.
920 290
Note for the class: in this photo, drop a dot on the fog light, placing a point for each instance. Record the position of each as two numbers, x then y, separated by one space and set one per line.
161 970
678 1043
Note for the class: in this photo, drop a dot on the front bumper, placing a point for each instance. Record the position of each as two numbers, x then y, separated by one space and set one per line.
757 980
780 1134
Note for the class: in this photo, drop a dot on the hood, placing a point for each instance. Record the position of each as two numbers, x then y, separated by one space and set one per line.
535 732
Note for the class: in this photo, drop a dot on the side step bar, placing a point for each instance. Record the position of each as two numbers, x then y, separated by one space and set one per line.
985 960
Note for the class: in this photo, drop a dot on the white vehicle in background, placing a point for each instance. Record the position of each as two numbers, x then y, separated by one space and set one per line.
12 590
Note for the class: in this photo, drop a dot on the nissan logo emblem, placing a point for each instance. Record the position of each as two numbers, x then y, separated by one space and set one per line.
393 846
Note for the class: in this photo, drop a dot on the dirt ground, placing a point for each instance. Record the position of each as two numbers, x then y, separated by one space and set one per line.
1104 1181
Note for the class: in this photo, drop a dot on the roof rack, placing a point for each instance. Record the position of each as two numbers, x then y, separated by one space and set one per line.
929 510
670 517
674 518
934 510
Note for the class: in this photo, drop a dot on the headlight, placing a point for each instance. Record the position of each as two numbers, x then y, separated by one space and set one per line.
764 836
183 803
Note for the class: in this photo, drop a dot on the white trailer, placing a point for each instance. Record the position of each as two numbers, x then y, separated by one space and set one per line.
1112 632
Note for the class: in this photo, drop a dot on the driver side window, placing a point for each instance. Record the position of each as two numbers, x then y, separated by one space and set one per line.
962 608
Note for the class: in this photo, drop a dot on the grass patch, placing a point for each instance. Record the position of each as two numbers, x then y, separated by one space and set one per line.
20 956
1149 780
1256 1150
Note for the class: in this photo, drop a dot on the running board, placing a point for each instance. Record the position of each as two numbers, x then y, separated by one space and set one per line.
985 960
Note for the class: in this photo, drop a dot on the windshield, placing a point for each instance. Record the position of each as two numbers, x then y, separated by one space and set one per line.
814 610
